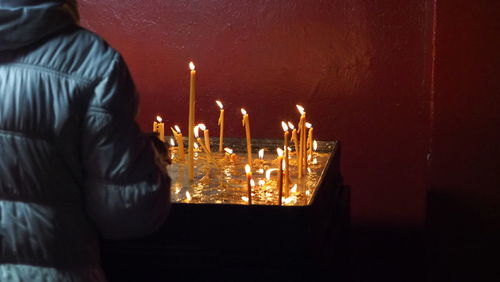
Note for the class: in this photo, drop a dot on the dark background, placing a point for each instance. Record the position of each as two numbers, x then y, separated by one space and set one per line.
410 88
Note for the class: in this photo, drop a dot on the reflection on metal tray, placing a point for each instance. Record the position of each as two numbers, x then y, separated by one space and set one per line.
225 181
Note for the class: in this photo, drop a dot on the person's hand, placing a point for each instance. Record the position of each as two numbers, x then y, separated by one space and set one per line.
161 148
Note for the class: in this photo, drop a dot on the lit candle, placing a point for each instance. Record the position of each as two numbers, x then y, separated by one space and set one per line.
302 141
246 124
205 135
248 172
192 97
285 145
280 175
159 127
203 147
294 137
221 125
180 143
309 139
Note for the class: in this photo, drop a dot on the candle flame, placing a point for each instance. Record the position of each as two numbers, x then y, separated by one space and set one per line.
158 118
268 173
292 127
247 169
283 163
301 109
308 192
315 145
172 143
202 126
195 129
188 196
244 198
284 126
195 145
252 183
243 112
293 189
191 66
280 152
261 154
260 170
228 150
308 125
261 183
219 103
176 127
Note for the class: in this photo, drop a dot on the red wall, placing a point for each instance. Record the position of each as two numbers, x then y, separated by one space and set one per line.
358 67
464 200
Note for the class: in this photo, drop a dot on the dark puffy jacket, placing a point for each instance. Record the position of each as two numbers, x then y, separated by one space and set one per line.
73 162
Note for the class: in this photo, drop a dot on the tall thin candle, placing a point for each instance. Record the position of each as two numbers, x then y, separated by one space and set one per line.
221 126
248 172
192 97
286 154
246 124
302 142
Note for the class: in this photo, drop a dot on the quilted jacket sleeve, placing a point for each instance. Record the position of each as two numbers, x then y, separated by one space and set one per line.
127 189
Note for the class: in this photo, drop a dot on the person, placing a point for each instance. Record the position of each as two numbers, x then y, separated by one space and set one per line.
74 165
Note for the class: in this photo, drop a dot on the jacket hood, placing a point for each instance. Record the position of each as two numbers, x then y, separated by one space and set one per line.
23 22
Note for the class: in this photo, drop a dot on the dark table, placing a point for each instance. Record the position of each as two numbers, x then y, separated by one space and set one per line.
225 242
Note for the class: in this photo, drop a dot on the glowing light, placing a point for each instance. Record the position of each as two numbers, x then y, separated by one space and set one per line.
172 143
315 145
188 196
219 103
292 127
301 109
268 173
308 125
293 189
202 126
158 118
196 131
261 154
280 152
196 145
261 183
191 66
247 169
260 170
245 199
243 112
284 126
308 192
176 127
252 183
228 150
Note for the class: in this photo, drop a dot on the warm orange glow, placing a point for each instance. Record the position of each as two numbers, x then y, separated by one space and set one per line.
158 118
176 127
252 183
284 126
202 126
261 154
243 112
294 189
315 145
247 169
195 145
280 152
260 170
188 196
219 103
244 198
172 143
301 109
308 125
292 127
261 183
191 66
228 150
